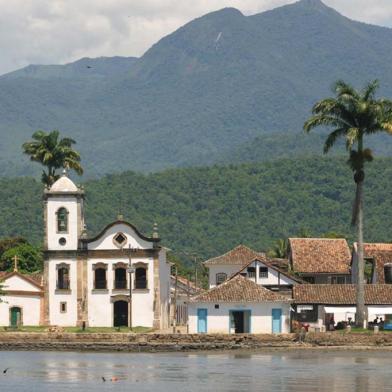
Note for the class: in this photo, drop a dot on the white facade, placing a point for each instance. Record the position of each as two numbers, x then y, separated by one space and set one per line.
87 280
23 296
218 320
271 278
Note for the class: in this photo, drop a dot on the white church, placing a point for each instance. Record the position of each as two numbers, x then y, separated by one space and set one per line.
118 278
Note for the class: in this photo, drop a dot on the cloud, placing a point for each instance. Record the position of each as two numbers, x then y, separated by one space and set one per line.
60 31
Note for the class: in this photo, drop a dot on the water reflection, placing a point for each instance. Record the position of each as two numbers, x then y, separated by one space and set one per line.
291 371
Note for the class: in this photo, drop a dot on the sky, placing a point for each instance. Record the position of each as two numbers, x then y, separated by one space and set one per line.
61 31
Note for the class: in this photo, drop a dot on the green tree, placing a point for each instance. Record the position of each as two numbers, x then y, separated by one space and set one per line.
279 250
30 258
10 242
354 114
53 153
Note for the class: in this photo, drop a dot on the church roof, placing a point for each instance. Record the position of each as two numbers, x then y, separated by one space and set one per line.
63 184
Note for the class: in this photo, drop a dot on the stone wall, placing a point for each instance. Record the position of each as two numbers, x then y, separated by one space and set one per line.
178 342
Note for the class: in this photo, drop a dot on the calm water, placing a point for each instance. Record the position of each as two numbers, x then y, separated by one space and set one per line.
270 371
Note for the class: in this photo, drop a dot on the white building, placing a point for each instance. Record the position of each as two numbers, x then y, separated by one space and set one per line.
326 305
239 306
23 299
255 266
86 281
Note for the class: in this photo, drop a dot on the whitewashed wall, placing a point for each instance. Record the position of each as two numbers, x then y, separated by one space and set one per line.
69 318
30 305
274 278
164 282
133 240
215 269
218 320
100 302
53 205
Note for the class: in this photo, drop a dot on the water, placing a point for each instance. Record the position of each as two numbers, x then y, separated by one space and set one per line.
263 371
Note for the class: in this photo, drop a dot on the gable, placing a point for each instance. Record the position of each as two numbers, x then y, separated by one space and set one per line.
16 282
133 238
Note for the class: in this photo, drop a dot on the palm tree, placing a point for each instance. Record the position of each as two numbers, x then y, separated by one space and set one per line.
279 249
354 114
54 153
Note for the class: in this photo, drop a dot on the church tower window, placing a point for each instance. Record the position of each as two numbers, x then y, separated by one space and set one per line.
63 277
62 220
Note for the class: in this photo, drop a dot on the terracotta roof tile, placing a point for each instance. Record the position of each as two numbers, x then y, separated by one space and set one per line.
381 254
239 289
240 255
320 255
341 294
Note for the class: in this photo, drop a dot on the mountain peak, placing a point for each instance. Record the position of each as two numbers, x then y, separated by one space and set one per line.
315 4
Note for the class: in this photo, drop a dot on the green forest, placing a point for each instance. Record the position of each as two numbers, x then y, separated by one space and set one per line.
212 209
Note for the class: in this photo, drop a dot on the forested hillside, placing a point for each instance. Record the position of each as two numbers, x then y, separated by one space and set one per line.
200 95
209 210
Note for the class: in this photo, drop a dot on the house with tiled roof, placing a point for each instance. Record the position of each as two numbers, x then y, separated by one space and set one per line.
378 262
320 260
239 305
272 274
222 267
323 304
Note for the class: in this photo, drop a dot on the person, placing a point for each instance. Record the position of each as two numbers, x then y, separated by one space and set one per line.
375 321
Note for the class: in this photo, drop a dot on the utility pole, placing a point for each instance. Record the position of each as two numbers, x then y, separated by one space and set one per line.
175 301
187 302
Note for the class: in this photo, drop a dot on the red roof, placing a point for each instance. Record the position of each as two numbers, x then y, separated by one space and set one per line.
320 255
240 255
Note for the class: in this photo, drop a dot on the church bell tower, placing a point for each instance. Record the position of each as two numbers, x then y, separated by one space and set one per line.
63 215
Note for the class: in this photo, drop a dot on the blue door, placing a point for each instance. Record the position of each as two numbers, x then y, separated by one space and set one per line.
276 320
201 320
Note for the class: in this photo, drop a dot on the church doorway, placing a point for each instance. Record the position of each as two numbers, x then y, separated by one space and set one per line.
120 314
15 317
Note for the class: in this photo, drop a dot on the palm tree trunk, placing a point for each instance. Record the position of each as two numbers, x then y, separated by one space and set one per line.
360 292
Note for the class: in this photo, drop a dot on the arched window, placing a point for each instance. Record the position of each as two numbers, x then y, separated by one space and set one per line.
100 282
220 278
62 220
120 278
63 277
141 277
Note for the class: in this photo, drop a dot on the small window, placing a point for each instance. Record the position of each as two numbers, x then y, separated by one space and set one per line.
263 272
120 240
388 273
100 279
120 278
62 241
220 277
140 278
63 277
307 314
251 272
216 306
63 307
62 220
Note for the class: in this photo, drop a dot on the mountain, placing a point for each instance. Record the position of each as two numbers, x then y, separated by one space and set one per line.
208 91
210 210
